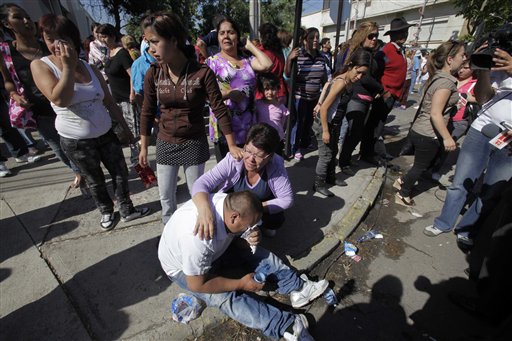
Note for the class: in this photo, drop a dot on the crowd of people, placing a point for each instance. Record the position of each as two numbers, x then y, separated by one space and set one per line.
88 98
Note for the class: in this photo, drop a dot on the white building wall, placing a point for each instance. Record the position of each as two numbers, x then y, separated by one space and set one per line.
439 22
37 8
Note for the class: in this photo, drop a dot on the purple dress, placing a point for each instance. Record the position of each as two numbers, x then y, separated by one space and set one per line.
232 77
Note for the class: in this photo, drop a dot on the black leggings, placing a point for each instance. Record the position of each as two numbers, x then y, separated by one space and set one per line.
353 136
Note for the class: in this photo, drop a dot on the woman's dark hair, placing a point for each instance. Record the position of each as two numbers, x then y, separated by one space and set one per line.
263 137
267 80
62 26
94 25
4 15
285 38
109 30
168 25
269 39
360 57
438 57
233 24
308 32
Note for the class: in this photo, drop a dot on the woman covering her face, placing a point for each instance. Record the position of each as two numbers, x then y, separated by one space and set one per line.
85 109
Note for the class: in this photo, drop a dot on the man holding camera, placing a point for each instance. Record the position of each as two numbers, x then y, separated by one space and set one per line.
493 91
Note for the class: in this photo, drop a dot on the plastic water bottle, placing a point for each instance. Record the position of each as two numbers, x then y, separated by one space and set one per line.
260 277
330 297
185 308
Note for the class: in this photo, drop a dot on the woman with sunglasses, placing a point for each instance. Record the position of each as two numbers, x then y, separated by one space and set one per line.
429 131
261 171
364 91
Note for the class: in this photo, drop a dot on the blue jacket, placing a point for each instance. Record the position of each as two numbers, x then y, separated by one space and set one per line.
139 68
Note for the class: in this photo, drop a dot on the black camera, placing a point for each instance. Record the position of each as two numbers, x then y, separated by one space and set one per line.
502 39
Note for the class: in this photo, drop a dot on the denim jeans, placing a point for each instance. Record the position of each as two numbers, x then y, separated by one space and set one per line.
375 124
425 150
88 154
300 137
353 137
13 140
46 127
245 308
414 75
447 159
26 134
326 152
343 130
167 183
475 156
131 116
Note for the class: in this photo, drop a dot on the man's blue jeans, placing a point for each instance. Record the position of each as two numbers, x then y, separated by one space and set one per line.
242 307
475 156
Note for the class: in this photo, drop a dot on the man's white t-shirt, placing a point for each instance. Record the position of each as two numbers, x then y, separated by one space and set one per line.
499 107
179 250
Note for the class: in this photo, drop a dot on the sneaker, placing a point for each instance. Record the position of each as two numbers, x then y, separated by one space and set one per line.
463 238
300 330
107 221
137 213
432 231
348 170
4 171
310 290
28 158
436 176
403 107
298 156
33 151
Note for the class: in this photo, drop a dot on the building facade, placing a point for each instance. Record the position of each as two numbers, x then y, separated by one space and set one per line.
438 24
72 9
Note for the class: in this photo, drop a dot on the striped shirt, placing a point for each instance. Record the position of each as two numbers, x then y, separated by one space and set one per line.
311 75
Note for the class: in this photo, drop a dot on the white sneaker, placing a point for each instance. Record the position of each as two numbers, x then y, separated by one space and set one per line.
432 231
4 171
28 158
107 221
300 330
463 238
310 290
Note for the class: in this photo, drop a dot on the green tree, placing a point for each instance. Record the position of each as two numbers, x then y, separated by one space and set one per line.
238 10
493 14
134 10
278 12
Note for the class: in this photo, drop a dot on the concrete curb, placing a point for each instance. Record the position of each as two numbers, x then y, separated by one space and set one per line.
341 229
356 213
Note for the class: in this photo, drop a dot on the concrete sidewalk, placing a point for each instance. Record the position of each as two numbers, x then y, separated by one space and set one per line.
62 278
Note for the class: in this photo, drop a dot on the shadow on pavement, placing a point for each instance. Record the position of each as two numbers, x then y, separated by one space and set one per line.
102 294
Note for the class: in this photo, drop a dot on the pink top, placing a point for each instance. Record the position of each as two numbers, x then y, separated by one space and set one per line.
464 89
274 115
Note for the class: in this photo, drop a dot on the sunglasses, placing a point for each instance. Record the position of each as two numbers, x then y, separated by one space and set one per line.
372 36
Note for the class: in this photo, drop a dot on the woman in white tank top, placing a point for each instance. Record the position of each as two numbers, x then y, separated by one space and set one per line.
85 108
